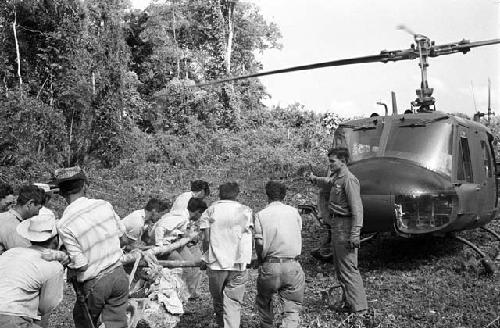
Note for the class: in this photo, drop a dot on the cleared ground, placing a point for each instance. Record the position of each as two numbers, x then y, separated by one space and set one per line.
410 283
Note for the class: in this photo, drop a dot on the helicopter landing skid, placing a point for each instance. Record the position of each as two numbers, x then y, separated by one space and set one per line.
497 237
486 261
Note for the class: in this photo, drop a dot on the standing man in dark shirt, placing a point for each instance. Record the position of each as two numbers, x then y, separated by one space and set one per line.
346 220
278 242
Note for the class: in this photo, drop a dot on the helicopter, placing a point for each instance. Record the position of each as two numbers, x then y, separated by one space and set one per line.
422 172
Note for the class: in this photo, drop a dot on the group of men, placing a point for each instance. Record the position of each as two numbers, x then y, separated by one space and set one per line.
93 236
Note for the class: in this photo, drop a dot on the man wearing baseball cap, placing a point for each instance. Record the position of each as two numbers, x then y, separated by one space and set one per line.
90 230
30 286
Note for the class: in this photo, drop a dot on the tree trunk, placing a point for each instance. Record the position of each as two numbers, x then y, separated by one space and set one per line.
230 36
18 54
177 59
70 138
93 84
226 14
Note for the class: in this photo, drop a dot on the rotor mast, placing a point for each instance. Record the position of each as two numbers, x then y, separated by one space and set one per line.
424 101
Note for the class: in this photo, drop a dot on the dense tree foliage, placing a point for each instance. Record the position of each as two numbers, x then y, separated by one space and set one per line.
82 79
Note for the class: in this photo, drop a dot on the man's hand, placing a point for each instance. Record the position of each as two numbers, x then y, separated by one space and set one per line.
354 239
354 242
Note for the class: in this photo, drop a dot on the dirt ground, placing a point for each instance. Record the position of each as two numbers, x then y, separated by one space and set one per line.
409 283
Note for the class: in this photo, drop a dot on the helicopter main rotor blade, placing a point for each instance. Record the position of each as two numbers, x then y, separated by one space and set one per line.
339 62
463 46
385 56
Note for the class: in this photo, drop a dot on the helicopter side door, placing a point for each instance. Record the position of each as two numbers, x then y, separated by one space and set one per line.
463 180
480 174
488 193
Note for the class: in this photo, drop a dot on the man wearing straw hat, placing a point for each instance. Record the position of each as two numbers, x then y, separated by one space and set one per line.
30 286
90 229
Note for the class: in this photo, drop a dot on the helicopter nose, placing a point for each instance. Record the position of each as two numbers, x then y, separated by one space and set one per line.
383 180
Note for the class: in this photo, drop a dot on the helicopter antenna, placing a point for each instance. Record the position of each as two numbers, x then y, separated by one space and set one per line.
473 95
394 103
490 113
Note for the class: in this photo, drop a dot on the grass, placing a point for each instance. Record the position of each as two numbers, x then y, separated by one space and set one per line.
409 283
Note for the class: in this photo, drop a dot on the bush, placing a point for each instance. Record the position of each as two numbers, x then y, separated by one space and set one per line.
29 131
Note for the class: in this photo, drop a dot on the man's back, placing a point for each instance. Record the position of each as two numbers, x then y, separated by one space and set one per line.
91 230
134 224
24 273
230 237
280 226
169 227
9 237
181 203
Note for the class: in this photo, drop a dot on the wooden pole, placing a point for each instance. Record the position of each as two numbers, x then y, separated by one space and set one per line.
172 247
178 263
132 256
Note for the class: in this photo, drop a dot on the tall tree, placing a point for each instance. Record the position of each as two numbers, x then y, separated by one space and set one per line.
214 38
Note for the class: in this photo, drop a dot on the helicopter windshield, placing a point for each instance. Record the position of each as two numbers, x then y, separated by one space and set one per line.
362 142
427 144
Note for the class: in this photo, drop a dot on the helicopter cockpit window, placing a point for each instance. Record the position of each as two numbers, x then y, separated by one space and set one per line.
488 165
428 144
464 169
362 142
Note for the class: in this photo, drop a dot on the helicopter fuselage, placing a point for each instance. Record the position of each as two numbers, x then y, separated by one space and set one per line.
425 173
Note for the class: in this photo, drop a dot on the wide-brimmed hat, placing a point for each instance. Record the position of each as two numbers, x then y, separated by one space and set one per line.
39 228
68 174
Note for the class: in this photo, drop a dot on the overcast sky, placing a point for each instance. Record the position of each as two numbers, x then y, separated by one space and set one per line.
324 30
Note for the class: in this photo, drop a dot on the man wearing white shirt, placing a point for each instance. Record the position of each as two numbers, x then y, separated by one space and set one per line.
169 228
136 222
29 202
199 189
31 286
227 244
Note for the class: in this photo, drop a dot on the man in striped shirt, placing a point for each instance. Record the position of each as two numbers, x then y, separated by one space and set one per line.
90 230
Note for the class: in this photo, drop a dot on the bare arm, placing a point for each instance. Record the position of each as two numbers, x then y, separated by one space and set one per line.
259 244
206 240
322 182
259 248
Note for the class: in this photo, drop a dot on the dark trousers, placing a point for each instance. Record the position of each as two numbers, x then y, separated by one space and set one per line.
106 295
286 279
345 260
